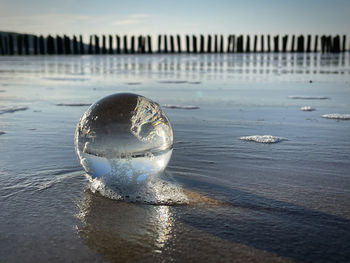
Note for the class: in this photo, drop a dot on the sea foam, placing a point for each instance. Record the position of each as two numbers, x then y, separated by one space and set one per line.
263 138
156 191
307 108
337 116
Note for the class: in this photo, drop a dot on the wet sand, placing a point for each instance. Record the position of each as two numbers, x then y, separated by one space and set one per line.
248 201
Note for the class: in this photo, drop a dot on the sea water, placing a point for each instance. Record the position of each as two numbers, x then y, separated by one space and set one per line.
252 202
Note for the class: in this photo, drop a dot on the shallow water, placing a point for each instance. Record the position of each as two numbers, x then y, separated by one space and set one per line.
248 201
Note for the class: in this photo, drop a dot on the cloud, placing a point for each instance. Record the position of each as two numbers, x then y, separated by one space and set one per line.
131 20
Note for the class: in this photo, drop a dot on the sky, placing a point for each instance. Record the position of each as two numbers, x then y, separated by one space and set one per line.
134 17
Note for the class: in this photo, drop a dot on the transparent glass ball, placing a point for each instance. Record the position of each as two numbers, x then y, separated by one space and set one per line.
124 138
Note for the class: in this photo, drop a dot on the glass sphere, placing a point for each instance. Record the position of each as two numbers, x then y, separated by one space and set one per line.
125 139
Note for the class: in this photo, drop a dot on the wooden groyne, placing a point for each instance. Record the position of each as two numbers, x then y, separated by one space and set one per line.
24 44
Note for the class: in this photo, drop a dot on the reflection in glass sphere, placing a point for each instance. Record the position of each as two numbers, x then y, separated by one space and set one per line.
124 141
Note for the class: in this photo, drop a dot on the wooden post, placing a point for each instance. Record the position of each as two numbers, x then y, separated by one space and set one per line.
26 44
247 48
41 45
6 45
300 46
75 45
336 44
2 49
139 44
202 44
104 49
144 43
329 44
308 45
255 43
194 44
138 49
132 48
165 44
2 46
118 44
143 46
4 41
221 44
292 48
126 45
316 43
228 44
81 44
216 44
149 41
233 43
326 44
11 45
97 45
268 43
239 44
178 43
59 45
19 44
66 45
50 45
344 43
323 44
159 43
276 43
284 43
188 43
172 44
110 44
90 46
35 45
262 43
209 44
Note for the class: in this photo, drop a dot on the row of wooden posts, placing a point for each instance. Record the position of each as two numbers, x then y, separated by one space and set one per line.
23 44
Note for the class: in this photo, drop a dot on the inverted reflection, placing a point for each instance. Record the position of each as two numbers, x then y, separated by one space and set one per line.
123 231
187 66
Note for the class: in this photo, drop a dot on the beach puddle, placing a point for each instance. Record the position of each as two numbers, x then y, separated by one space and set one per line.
308 97
73 104
173 81
4 110
65 79
133 83
180 107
